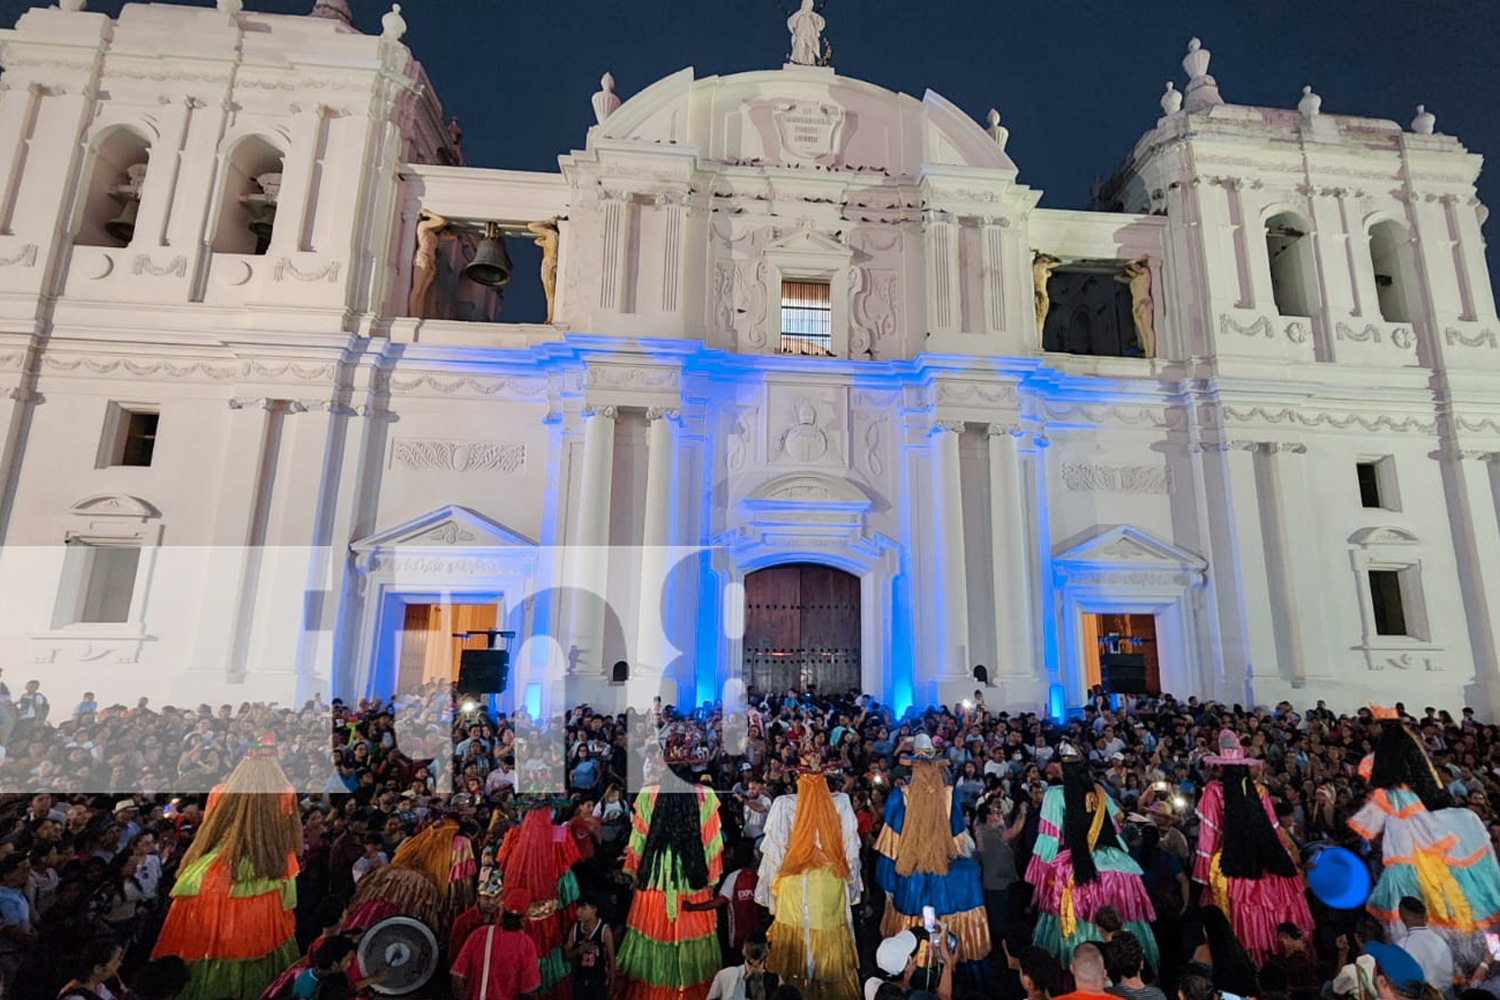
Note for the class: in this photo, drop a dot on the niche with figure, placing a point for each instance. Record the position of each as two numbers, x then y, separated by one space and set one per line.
1090 312
112 198
251 183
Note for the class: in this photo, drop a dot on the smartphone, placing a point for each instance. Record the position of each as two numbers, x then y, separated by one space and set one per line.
929 919
1492 942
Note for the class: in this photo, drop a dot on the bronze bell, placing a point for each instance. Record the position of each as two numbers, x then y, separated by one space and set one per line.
262 221
122 226
491 264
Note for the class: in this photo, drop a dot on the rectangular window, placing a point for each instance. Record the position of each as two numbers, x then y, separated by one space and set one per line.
1369 484
1387 602
107 582
807 319
129 435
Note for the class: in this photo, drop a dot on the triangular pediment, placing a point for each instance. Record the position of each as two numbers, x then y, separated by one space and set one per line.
450 526
1125 546
810 241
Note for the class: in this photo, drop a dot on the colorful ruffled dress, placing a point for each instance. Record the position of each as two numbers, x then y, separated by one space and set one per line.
671 952
430 878
956 892
1442 857
1065 909
232 916
539 857
809 880
1254 906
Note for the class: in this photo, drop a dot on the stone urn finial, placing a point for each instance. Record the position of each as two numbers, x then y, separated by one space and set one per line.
393 25
72 6
333 10
1202 91
1311 104
606 100
1171 99
1424 122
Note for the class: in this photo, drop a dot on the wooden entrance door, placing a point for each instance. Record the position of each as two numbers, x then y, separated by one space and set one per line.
802 628
428 650
1137 634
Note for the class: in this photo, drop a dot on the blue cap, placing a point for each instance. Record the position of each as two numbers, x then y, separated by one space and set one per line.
1397 965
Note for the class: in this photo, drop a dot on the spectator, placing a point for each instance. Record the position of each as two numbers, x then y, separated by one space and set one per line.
997 862
1425 945
1127 964
1088 973
749 981
590 949
95 964
1298 962
498 963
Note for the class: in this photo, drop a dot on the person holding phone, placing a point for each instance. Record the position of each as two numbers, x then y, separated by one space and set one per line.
899 959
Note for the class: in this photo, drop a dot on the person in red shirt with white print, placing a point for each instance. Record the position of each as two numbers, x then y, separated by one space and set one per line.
499 962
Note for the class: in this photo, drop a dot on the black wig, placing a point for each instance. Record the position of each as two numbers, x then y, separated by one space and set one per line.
1078 784
1249 845
674 842
1401 760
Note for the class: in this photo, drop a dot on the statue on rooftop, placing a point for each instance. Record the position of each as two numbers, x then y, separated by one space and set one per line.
424 262
547 239
1137 276
806 27
1042 266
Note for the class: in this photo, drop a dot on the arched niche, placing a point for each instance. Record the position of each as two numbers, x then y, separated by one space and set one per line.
250 179
1395 264
120 157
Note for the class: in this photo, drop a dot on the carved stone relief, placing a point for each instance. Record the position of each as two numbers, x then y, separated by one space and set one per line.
1087 477
459 456
874 312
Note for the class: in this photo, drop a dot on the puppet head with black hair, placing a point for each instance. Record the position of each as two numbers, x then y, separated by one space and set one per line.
674 841
1401 760
1250 848
1081 797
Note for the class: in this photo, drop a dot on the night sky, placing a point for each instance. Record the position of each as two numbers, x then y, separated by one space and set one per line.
1077 83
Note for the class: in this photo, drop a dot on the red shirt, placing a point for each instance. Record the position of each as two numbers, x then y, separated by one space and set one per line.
744 911
513 965
464 924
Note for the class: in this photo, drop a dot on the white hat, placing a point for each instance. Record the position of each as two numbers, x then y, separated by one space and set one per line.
895 952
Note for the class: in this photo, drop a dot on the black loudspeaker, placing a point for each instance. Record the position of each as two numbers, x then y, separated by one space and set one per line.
483 671
981 675
1124 673
621 672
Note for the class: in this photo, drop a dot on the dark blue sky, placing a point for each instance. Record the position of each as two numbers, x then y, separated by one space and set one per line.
1076 82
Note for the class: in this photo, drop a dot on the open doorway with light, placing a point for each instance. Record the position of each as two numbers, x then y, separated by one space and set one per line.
427 649
1124 643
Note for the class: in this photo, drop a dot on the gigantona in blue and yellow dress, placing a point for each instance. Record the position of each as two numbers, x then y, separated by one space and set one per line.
926 859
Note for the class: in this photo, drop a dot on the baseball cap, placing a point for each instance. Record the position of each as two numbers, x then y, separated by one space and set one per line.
1397 965
894 952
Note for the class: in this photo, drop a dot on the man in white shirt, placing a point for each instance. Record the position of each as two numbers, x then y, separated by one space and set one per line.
750 981
1425 945
757 806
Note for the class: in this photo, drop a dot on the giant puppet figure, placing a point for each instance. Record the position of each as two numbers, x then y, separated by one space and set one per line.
1432 851
1247 868
926 858
809 880
430 878
232 917
538 856
675 853
1080 865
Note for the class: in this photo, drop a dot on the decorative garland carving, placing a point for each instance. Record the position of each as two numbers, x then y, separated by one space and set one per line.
1260 328
1004 395
1403 338
285 268
1369 335
1133 415
140 369
1083 477
177 266
1484 338
619 377
459 456
26 257
1297 332
1288 415
524 388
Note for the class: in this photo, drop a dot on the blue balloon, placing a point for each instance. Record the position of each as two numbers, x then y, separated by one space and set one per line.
1339 878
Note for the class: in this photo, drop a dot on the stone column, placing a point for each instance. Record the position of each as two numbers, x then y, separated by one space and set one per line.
992 273
1241 611
614 296
294 203
1475 521
229 604
590 537
1010 556
1292 548
652 648
952 588
945 313
18 117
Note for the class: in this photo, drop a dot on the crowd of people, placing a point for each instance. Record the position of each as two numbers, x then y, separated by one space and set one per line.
805 844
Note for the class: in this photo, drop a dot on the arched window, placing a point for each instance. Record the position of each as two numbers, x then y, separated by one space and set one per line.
1079 338
1395 271
113 195
247 210
1294 269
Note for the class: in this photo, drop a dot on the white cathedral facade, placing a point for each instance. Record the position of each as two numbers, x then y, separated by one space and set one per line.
825 396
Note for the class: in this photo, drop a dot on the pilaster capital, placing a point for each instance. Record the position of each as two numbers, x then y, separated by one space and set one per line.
940 426
1002 430
654 413
598 411
250 403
